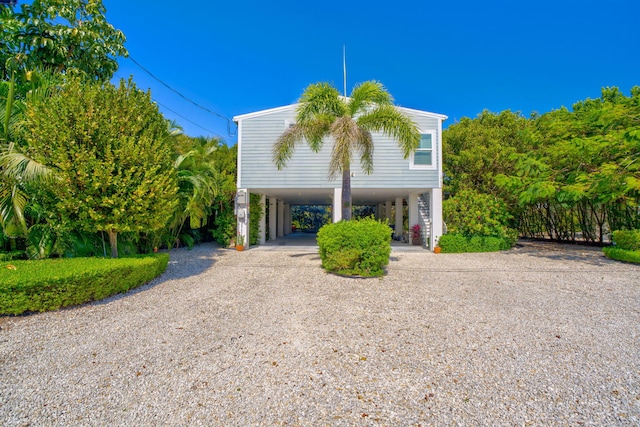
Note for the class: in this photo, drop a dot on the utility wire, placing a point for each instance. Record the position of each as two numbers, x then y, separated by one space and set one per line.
189 120
183 117
175 91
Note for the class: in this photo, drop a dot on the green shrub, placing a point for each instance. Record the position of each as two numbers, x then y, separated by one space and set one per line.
43 285
456 243
475 214
620 254
355 248
627 239
11 255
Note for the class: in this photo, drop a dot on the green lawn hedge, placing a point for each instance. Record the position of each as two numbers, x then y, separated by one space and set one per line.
355 248
43 285
627 239
620 254
457 243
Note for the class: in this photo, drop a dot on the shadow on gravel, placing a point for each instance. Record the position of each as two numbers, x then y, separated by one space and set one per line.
562 252
183 263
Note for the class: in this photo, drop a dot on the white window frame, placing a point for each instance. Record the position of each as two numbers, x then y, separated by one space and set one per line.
434 164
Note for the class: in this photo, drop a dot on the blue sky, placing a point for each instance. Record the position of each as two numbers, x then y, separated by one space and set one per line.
450 57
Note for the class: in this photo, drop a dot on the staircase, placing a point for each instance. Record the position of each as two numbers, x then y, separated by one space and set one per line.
424 219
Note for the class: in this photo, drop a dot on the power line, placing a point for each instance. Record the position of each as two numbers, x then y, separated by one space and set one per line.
177 92
189 120
183 117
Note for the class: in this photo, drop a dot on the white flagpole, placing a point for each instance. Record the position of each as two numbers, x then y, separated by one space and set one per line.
344 68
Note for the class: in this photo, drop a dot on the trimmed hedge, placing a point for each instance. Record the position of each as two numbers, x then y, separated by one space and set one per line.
620 254
457 243
355 248
43 285
627 239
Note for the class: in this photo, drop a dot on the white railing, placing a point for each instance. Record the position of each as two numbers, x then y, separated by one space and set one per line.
424 219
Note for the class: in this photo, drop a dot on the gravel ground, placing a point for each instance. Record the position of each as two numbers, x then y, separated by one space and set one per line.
540 335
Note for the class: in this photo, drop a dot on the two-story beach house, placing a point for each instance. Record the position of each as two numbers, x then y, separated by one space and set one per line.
415 182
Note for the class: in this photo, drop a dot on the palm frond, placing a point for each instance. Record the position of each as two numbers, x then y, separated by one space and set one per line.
23 168
320 99
364 145
366 94
12 204
316 130
390 121
282 150
344 132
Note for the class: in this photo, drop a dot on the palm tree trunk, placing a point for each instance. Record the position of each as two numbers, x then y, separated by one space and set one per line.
346 193
113 241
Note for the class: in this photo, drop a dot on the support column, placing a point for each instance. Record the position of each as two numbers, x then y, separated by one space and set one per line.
387 210
262 236
286 226
337 204
280 218
399 217
436 216
413 212
273 216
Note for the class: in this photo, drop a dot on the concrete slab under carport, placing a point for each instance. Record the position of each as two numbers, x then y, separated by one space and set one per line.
308 241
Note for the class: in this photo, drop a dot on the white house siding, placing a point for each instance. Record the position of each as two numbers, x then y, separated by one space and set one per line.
306 169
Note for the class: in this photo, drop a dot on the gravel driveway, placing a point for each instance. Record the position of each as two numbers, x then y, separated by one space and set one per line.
540 335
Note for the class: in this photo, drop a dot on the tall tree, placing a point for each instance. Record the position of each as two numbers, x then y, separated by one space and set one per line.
110 155
61 36
349 122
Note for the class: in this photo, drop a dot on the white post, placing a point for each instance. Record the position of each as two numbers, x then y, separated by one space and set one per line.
387 210
286 226
399 217
280 218
262 238
337 204
436 216
413 212
273 216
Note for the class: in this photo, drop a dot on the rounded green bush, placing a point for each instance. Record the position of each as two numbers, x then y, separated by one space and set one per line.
355 248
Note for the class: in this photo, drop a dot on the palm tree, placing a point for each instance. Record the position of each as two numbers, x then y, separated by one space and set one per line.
18 170
198 182
349 122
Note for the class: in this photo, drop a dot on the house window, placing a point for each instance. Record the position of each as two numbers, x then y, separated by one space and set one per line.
423 157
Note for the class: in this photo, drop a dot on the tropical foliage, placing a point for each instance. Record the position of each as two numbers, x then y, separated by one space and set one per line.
63 36
108 149
563 175
349 122
79 155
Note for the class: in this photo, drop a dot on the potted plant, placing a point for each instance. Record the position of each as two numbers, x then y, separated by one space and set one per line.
416 237
240 242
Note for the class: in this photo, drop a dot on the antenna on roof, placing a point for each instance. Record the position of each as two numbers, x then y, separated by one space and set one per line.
344 68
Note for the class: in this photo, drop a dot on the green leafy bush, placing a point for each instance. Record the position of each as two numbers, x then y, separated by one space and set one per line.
474 214
456 243
43 285
355 248
622 254
627 239
8 256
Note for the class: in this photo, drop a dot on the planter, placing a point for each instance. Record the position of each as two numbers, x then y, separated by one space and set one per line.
239 248
437 250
